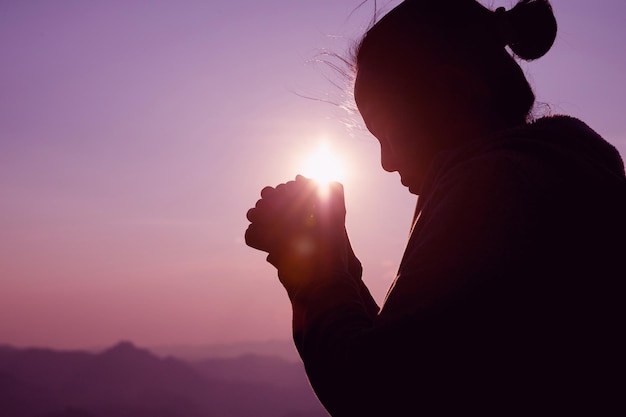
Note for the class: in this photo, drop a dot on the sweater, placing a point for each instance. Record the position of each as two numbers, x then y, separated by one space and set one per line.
508 299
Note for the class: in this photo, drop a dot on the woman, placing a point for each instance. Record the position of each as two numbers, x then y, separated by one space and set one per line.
508 300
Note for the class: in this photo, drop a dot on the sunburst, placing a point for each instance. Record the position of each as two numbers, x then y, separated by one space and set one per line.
324 166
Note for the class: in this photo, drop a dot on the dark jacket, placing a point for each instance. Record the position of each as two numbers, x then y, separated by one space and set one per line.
509 299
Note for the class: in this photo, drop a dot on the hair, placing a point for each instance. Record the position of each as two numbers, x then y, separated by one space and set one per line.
418 35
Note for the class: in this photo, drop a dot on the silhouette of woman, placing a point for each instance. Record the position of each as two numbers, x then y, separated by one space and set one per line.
509 297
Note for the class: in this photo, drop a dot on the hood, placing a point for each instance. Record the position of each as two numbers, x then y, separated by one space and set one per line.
578 140
565 144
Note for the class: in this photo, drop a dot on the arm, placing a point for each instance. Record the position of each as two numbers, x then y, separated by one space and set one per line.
305 237
356 361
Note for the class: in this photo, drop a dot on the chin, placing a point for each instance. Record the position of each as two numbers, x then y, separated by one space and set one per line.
413 186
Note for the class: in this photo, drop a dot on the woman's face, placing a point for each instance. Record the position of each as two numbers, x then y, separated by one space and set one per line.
392 115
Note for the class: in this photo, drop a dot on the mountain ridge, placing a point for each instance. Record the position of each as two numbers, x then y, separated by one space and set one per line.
127 380
284 349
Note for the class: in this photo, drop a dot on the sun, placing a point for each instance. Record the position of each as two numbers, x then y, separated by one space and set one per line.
324 166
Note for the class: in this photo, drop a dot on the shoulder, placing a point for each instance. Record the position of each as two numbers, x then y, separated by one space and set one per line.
545 154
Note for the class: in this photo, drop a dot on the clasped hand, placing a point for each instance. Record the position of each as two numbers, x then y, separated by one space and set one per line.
302 230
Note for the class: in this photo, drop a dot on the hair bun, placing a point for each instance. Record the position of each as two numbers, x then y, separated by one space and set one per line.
531 28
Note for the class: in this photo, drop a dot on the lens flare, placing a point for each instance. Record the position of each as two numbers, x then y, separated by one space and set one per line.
324 166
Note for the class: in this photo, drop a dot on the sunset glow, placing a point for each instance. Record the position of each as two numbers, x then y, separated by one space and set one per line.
135 136
324 166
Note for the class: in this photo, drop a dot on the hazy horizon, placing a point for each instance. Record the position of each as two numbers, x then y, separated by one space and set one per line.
134 136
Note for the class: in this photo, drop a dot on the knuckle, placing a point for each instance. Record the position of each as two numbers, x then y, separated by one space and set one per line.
267 191
250 214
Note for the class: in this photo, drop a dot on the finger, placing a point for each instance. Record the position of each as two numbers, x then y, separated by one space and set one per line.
250 215
284 187
288 204
291 188
263 212
267 192
254 243
257 238
336 186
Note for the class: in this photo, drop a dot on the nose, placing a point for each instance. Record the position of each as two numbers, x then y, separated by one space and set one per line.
388 159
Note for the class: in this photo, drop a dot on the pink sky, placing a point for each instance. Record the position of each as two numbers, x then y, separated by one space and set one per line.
134 136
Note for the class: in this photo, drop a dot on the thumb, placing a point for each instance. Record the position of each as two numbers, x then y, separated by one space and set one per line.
336 199
331 207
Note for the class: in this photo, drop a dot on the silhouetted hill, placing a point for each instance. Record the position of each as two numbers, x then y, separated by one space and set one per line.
70 412
42 366
283 349
254 369
19 398
128 381
128 376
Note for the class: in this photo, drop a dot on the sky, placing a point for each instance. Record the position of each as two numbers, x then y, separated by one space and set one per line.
135 135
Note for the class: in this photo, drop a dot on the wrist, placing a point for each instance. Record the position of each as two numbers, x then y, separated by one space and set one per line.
302 269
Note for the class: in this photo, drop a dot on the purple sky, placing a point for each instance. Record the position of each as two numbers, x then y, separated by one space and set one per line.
134 136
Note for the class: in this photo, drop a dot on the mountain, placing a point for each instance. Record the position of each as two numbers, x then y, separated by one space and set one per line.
129 381
19 398
284 349
255 369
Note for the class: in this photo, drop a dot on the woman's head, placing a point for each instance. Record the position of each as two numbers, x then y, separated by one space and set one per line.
433 72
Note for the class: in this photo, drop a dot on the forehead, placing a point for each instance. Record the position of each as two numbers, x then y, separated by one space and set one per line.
386 89
392 72
363 88
369 95
381 103
375 82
